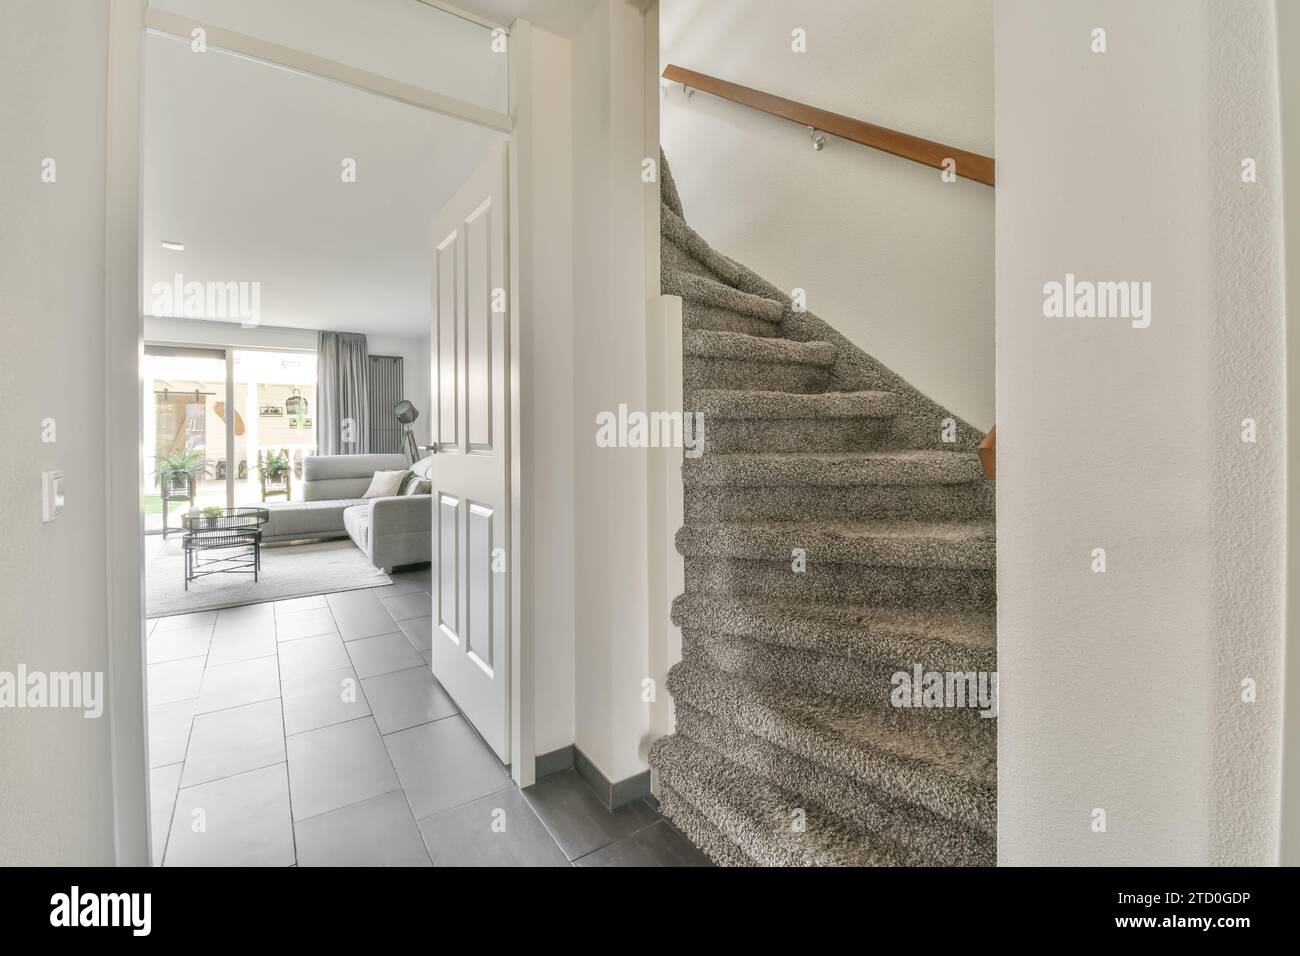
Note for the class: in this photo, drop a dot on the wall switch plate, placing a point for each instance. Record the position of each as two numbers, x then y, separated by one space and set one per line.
51 495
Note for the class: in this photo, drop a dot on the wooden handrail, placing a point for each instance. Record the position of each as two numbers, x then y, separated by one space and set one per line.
969 165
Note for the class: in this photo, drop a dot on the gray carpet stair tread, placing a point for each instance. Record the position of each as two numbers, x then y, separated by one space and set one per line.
850 738
743 404
770 826
737 346
968 545
834 468
706 291
932 637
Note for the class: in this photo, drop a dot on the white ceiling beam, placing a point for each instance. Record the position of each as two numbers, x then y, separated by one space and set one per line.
160 21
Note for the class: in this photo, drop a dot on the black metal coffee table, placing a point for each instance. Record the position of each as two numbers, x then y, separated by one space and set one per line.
228 542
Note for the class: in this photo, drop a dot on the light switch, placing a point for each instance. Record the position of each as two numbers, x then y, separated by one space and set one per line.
52 494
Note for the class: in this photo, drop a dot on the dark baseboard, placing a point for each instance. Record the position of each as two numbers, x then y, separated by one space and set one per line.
613 794
546 764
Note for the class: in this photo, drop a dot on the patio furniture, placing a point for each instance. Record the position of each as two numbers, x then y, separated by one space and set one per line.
273 485
228 542
175 488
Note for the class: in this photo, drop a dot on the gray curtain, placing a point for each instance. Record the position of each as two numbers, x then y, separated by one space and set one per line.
343 394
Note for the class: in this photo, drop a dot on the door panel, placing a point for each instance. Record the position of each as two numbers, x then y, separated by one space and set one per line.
444 337
471 473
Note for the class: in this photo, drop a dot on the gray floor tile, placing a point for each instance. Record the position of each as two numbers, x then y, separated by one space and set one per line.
233 685
444 764
375 832
245 821
245 616
428 657
183 621
175 680
234 741
419 631
312 655
179 644
403 607
384 654
577 819
406 698
497 830
169 731
163 784
290 627
656 845
291 605
359 614
241 643
337 766
318 700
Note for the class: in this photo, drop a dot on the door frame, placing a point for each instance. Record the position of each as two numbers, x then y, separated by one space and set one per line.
129 20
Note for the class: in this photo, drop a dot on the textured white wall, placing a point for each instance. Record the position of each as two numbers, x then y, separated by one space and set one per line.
896 260
610 496
56 796
1122 691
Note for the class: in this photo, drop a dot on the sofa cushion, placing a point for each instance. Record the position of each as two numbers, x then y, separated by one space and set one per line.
305 519
356 520
384 484
334 477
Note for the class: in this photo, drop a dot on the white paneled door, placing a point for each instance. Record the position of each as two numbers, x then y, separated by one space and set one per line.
471 473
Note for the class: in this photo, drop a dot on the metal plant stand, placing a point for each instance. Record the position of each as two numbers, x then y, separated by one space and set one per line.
230 542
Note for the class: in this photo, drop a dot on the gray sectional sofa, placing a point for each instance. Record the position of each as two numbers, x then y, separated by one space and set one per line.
391 531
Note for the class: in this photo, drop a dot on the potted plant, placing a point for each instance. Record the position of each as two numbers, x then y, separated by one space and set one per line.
210 515
178 471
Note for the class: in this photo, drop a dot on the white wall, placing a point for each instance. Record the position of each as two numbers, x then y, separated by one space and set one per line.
609 365
56 796
896 260
1289 81
1122 691
546 405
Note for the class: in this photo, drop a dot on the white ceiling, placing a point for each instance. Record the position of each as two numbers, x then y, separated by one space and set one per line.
242 164
558 16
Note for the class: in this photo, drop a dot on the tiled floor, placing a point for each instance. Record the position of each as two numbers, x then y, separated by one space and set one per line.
312 732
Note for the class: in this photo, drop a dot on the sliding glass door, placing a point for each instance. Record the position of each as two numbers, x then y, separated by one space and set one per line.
185 426
275 392
223 427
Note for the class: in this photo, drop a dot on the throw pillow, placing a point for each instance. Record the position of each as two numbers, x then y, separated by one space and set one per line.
407 478
417 486
384 484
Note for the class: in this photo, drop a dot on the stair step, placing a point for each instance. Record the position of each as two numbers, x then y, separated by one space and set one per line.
925 837
739 421
747 404
967 545
831 468
702 290
708 838
956 782
771 826
739 347
870 684
945 641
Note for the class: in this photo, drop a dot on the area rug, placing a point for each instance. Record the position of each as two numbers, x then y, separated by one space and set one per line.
288 571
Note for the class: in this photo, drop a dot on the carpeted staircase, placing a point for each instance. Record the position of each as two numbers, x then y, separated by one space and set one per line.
787 749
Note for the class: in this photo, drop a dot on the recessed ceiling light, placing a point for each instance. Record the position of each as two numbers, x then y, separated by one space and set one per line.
175 246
